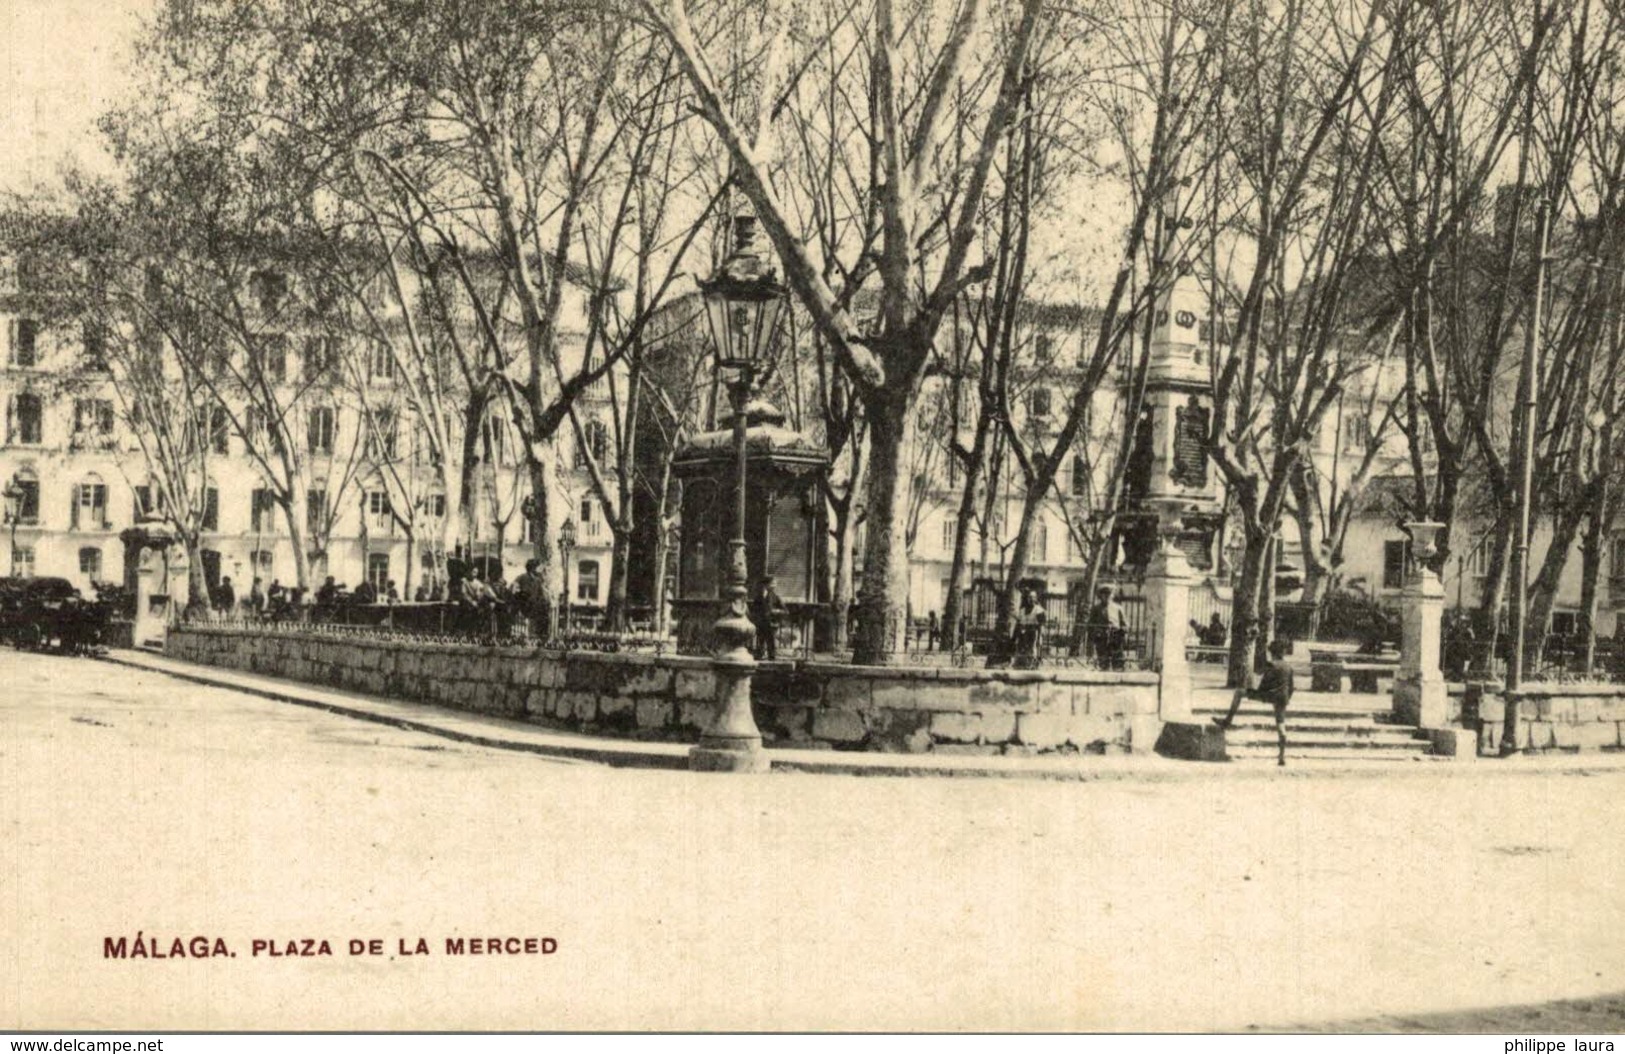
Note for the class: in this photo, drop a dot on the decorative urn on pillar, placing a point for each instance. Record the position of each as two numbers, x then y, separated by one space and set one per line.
1421 696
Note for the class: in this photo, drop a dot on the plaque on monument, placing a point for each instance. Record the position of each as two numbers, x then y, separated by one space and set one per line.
1189 468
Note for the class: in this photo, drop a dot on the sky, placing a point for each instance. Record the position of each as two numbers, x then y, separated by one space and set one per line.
61 63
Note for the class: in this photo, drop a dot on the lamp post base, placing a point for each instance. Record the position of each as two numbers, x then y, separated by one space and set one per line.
715 757
732 743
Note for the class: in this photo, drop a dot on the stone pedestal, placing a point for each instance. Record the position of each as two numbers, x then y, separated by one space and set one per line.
1420 695
1168 611
150 624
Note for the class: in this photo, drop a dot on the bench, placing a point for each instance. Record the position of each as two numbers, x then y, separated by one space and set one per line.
1364 678
1216 653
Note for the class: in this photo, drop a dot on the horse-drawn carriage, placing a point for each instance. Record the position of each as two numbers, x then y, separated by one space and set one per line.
49 613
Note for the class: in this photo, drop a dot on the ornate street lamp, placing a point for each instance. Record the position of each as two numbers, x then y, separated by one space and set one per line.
567 543
14 513
744 302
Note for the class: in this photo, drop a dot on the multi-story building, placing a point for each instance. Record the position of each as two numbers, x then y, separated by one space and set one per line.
81 456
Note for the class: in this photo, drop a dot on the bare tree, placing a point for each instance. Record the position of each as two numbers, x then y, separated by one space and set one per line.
927 201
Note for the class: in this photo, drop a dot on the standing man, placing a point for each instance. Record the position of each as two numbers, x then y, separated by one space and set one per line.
1108 629
767 610
225 597
1275 688
532 595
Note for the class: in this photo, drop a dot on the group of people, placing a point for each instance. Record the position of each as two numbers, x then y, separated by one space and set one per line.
261 601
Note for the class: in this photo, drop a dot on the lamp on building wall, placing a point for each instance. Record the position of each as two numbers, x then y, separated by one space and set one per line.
14 513
744 302
567 544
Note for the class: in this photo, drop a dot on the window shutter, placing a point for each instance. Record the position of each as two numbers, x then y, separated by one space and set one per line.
73 509
11 419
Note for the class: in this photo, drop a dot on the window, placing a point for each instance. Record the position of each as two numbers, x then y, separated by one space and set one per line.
1072 552
273 356
89 509
1356 432
381 436
587 580
25 342
219 430
378 570
381 364
1565 623
22 561
92 420
262 561
27 420
218 360
1396 558
1040 545
589 522
319 357
1616 557
93 336
597 441
211 509
1477 560
1080 476
321 430
90 563
379 517
1043 347
316 512
270 288
261 511
949 524
1038 401
495 441
28 507
435 505
149 502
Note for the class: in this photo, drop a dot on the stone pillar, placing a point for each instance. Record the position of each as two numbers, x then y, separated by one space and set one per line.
1420 695
1167 608
148 626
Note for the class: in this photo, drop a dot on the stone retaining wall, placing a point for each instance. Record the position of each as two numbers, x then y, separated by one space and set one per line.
810 705
1568 717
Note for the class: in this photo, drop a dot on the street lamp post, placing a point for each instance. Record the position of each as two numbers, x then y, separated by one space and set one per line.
744 301
567 544
14 513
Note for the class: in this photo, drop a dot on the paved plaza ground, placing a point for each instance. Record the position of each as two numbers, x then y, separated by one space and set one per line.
138 803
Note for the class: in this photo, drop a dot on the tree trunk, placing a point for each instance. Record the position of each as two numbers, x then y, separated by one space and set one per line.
1591 550
615 607
1266 603
959 571
1495 585
882 633
841 591
1543 591
1245 628
541 526
1318 567
296 511
1020 562
197 593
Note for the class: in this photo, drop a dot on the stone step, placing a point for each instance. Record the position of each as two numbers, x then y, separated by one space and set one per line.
1342 728
1262 756
1328 740
1296 712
